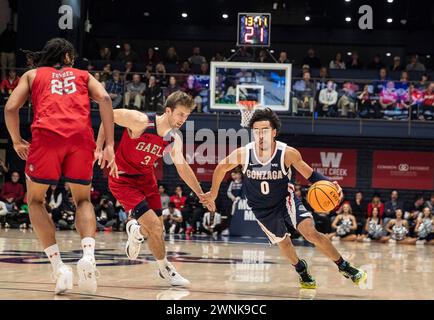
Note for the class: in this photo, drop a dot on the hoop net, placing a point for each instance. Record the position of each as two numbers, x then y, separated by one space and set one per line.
247 109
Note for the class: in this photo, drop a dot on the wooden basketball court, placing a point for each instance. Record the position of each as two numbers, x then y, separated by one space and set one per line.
218 269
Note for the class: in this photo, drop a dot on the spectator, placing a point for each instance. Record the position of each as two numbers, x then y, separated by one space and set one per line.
430 203
97 76
354 63
185 68
178 199
115 88
121 216
263 56
64 219
196 60
127 54
303 95
153 96
129 68
381 82
171 60
311 59
423 82
283 57
398 229
106 73
212 223
243 56
191 86
359 208
161 76
391 206
9 84
134 92
105 215
337 63
376 63
388 98
428 104
424 226
416 206
368 107
151 58
415 65
413 100
165 199
397 65
19 217
171 88
327 101
54 200
347 100
345 225
105 53
13 191
3 214
323 79
218 57
172 218
192 213
204 69
235 188
376 203
3 170
7 49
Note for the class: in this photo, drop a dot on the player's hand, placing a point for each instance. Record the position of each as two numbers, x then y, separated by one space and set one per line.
22 149
341 194
109 157
98 155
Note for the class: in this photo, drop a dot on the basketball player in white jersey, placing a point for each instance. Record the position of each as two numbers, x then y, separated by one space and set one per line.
267 166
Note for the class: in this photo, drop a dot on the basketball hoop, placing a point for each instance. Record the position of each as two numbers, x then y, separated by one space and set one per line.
247 109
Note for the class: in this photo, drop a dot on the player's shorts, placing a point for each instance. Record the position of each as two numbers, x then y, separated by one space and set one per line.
52 156
131 190
280 221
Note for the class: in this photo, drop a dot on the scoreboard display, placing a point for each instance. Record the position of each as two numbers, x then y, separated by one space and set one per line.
254 29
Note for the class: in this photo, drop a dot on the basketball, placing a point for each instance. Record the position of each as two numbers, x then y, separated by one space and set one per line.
323 196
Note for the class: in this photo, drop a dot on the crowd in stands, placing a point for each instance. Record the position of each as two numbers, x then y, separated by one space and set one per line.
144 82
355 220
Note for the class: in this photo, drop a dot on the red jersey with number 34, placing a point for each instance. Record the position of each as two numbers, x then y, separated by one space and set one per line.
138 156
60 100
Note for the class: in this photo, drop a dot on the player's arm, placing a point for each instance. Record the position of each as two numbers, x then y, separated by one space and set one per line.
293 158
236 158
184 170
12 114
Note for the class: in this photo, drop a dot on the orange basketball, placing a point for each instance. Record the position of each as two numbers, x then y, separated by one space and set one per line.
323 196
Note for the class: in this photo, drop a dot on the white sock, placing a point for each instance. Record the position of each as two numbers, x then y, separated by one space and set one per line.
88 245
162 263
53 255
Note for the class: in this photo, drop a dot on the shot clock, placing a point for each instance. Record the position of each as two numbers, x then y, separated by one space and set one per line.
254 29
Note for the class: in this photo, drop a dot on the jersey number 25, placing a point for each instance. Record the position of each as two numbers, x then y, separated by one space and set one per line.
67 86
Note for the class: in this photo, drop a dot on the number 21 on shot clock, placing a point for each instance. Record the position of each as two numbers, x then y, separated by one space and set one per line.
254 29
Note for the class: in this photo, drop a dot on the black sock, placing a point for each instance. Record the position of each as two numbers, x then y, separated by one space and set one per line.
299 267
341 263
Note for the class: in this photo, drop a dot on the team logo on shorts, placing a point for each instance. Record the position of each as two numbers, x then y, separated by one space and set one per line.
31 168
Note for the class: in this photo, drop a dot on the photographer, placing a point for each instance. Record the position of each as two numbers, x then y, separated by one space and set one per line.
192 213
105 215
172 218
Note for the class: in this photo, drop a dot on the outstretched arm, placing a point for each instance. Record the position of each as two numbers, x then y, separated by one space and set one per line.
236 158
12 114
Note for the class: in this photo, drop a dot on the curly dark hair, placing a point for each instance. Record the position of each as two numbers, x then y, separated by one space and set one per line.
266 115
52 54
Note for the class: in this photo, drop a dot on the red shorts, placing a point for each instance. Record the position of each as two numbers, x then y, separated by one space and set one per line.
131 190
52 156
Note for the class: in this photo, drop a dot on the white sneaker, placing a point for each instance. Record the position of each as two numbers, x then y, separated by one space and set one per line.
172 229
63 277
135 240
170 274
87 274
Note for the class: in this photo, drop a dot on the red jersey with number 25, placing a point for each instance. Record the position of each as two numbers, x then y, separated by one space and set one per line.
138 156
60 101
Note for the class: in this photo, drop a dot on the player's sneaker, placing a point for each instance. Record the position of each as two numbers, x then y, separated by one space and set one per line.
87 274
170 274
356 275
135 240
307 281
63 277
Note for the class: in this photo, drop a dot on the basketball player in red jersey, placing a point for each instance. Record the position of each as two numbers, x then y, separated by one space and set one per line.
145 140
62 145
